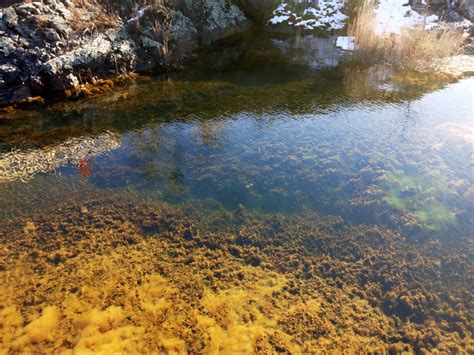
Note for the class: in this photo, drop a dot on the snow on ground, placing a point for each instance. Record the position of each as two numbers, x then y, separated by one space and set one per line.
316 14
391 17
346 43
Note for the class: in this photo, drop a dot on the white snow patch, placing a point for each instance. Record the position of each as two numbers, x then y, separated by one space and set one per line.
323 14
391 17
279 19
346 43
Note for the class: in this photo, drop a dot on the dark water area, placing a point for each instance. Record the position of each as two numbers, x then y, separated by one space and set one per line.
275 160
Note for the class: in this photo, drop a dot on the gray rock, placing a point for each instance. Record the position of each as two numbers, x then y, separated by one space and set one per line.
214 19
468 9
43 49
150 43
9 73
26 10
452 16
183 33
10 18
20 93
51 35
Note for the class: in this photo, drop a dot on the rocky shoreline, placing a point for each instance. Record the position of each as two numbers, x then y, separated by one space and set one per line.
48 47
52 48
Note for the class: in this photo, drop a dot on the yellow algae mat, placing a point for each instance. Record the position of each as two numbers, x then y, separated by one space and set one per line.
114 276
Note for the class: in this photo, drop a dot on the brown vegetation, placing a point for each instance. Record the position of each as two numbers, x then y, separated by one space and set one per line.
414 48
91 15
118 275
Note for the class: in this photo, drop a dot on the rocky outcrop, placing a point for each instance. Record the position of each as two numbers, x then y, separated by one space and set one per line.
51 46
258 11
468 10
448 10
214 19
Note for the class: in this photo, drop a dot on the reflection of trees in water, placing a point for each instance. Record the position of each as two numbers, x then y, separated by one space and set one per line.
370 83
384 84
211 132
315 52
165 153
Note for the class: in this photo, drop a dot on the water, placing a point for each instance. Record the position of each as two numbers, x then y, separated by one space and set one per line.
276 199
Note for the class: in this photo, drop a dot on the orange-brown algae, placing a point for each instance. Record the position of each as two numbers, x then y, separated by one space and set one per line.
97 87
114 276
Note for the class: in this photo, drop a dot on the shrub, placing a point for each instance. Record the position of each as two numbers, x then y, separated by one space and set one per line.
158 16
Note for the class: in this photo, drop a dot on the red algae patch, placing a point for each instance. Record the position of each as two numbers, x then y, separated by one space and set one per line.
114 276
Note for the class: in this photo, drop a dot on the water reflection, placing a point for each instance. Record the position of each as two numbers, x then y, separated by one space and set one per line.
317 52
24 165
274 136
337 153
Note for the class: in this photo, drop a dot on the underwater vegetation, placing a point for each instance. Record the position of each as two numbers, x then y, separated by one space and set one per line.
418 198
267 208
120 275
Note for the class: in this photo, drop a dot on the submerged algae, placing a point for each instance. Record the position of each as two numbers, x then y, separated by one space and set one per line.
415 196
277 237
120 275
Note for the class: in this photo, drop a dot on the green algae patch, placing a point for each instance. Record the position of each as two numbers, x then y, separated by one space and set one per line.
419 198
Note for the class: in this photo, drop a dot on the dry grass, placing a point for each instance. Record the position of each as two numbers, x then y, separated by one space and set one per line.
414 48
92 15
160 14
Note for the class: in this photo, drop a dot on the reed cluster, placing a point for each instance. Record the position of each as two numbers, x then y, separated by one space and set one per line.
414 47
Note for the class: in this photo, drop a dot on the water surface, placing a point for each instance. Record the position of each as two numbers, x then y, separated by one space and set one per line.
276 179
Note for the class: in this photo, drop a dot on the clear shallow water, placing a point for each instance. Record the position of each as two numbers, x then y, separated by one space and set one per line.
366 144
259 139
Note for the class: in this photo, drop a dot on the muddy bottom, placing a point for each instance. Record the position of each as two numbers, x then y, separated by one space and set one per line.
114 275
